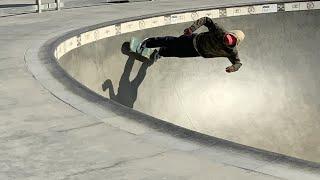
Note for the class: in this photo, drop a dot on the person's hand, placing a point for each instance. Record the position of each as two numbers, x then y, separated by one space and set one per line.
230 69
235 67
188 32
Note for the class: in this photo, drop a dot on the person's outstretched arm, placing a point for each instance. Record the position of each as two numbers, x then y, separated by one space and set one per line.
204 21
236 64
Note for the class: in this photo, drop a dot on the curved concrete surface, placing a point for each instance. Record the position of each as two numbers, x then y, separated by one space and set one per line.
271 103
53 128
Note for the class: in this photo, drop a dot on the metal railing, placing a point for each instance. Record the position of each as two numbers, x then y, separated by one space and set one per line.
56 5
17 7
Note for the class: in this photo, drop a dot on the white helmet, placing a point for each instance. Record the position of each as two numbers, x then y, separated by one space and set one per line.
239 35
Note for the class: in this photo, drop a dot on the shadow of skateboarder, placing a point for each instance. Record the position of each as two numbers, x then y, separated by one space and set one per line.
128 90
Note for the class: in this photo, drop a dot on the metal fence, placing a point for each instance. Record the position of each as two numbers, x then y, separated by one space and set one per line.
47 6
16 7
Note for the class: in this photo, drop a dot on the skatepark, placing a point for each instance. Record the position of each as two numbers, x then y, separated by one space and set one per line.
76 104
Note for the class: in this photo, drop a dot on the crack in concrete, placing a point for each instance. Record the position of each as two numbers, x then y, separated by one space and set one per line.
255 171
119 163
81 127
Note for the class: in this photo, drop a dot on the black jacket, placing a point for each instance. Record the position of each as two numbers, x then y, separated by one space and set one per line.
211 44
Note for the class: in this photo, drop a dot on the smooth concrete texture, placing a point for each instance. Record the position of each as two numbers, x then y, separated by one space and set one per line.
271 103
45 134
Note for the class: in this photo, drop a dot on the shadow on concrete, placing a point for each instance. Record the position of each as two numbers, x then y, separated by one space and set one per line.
14 5
128 90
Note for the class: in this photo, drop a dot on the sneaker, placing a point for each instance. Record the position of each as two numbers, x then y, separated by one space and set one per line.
142 46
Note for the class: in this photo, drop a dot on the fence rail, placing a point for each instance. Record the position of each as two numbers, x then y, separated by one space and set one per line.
16 7
43 6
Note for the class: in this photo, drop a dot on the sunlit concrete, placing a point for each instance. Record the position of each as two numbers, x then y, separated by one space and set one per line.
271 103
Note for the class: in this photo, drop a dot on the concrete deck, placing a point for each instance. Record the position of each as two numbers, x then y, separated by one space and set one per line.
43 137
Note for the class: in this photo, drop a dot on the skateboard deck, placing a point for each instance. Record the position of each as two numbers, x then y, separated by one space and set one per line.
134 44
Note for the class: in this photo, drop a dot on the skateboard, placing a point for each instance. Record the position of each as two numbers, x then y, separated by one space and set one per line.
135 43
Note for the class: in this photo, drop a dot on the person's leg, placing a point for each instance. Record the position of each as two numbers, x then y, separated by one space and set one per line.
181 47
155 42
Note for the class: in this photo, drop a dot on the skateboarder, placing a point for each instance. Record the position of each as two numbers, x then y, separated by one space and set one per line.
217 42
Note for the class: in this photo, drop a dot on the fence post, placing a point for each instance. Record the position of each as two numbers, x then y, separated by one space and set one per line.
58 4
39 6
